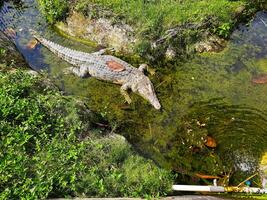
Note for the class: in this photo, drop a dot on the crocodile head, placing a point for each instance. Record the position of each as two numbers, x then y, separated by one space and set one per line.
145 88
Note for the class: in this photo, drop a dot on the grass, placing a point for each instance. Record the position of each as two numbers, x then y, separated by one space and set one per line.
151 19
144 14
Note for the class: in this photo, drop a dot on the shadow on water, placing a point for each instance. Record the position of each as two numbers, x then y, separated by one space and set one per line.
210 95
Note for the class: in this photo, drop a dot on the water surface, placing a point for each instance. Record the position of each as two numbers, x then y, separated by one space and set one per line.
212 94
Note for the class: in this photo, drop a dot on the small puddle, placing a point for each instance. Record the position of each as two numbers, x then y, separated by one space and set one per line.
221 95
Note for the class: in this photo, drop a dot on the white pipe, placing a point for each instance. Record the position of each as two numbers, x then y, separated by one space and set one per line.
198 188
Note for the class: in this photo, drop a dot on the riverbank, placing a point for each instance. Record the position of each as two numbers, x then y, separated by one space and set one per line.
153 29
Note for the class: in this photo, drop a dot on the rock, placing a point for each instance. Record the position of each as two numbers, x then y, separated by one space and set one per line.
170 53
211 44
102 31
32 73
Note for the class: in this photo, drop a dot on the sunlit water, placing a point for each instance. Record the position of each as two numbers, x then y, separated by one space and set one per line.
209 95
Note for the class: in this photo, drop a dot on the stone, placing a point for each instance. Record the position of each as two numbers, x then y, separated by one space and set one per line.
170 53
103 31
211 44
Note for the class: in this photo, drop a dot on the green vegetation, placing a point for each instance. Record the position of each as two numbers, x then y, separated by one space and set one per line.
146 14
54 9
163 23
50 148
189 21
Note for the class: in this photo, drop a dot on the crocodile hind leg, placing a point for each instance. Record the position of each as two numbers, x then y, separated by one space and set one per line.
81 71
124 93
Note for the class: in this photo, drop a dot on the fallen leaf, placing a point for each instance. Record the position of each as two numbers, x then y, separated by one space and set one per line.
260 79
204 176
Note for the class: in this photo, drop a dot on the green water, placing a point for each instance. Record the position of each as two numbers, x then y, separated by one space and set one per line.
209 95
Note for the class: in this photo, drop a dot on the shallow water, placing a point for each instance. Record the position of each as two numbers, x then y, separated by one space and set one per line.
209 95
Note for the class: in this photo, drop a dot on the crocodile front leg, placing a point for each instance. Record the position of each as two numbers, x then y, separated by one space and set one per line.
143 67
124 93
102 51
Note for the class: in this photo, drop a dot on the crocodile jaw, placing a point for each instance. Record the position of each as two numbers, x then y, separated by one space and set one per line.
146 90
156 103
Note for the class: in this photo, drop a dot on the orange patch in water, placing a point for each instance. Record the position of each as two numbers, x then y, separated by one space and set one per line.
204 176
115 66
210 142
32 44
260 79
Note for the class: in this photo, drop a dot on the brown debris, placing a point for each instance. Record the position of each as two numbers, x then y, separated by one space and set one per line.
204 176
260 79
210 142
115 66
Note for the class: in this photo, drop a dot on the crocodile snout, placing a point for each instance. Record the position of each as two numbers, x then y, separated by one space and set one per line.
146 90
156 104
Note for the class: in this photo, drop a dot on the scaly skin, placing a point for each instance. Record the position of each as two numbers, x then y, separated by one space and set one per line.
95 65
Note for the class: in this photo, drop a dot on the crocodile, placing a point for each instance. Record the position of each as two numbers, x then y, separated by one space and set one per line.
107 68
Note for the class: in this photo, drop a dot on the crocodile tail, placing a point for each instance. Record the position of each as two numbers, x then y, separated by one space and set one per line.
62 52
33 32
35 35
